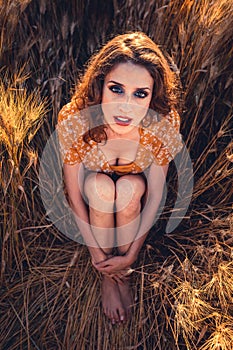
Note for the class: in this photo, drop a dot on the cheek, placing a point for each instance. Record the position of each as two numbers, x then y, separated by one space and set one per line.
107 109
143 102
141 108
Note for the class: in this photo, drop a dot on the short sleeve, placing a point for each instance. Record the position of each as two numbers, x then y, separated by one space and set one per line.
69 128
167 131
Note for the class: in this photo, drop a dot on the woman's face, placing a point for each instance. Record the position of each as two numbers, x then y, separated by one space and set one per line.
127 93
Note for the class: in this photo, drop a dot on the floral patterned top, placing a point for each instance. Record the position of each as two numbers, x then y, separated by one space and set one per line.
159 143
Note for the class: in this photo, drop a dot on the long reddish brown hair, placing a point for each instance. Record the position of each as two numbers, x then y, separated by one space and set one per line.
137 48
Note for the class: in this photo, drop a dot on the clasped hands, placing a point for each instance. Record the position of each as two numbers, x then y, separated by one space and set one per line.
116 267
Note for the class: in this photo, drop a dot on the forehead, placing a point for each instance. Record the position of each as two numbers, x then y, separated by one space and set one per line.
128 73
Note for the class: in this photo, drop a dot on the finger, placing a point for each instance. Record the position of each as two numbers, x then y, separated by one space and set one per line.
117 278
98 262
97 266
120 281
103 263
112 278
108 269
119 273
101 269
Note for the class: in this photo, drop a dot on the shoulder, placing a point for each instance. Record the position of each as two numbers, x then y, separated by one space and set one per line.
173 118
163 136
67 110
70 117
161 124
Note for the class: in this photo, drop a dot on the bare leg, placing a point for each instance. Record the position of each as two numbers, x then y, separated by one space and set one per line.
130 189
100 191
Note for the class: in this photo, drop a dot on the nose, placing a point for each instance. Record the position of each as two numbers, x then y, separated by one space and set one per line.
126 105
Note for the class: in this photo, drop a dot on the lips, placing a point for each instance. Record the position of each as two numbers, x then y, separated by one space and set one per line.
123 121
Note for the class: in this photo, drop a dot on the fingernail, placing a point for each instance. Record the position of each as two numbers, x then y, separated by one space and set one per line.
122 318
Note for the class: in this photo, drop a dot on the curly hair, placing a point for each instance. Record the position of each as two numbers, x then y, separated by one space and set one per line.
137 48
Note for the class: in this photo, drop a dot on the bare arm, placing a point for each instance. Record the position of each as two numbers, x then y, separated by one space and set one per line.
74 180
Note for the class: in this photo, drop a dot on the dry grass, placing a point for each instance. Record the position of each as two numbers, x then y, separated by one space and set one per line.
183 280
20 116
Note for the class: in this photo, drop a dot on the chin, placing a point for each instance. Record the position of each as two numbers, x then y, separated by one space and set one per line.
121 130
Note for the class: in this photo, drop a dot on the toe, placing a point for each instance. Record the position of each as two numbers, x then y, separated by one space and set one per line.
114 317
106 311
122 315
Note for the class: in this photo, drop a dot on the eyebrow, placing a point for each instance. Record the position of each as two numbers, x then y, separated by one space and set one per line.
117 83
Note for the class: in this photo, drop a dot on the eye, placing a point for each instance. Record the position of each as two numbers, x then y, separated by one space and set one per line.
116 89
141 93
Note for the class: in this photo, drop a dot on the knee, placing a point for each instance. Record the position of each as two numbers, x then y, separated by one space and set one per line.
129 191
99 188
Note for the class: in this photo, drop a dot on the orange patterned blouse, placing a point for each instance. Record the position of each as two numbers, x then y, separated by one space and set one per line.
159 143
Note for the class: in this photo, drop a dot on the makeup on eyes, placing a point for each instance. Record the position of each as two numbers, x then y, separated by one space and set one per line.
118 88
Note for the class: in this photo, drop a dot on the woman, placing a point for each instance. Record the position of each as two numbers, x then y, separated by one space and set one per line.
117 136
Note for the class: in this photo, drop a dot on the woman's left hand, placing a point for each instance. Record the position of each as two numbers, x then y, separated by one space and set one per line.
113 265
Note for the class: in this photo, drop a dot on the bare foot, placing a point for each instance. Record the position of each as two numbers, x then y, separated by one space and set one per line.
111 301
126 295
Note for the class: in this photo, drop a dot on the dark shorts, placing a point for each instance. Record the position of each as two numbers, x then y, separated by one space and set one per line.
114 176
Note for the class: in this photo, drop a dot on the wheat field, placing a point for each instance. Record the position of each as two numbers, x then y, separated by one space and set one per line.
50 294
